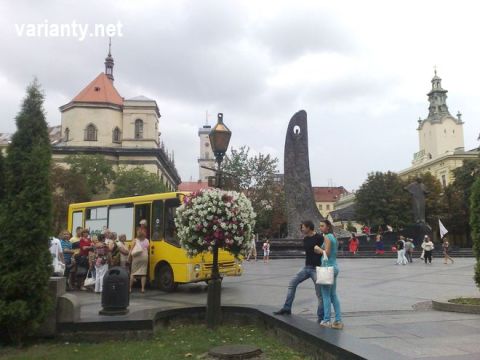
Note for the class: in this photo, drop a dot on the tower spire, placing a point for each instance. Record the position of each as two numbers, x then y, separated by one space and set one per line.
109 61
437 97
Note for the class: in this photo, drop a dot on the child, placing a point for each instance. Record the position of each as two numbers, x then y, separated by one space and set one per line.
266 251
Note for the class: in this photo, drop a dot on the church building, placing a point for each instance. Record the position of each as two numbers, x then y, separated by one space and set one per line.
440 137
98 120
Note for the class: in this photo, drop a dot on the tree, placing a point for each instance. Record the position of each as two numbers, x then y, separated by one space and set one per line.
67 187
381 199
96 169
2 177
137 181
255 177
475 225
458 198
25 260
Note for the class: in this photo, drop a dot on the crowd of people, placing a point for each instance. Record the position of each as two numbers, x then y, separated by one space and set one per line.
85 258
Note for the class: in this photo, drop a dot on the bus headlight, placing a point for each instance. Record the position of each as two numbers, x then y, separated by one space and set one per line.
197 268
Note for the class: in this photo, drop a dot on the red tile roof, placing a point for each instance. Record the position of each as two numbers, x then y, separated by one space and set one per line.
193 186
100 90
327 193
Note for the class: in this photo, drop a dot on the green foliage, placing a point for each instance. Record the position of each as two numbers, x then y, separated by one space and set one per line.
2 177
255 177
475 225
181 342
25 261
351 228
67 187
137 181
382 200
97 170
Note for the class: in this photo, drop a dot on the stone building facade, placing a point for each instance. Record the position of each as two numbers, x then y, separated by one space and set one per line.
98 120
441 139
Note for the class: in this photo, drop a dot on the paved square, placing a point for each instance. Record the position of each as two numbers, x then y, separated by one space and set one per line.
382 303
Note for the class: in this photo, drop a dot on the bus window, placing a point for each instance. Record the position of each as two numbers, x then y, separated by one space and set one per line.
170 229
96 220
157 220
120 220
77 221
142 212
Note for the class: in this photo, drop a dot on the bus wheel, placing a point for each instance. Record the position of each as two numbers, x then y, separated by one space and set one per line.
165 279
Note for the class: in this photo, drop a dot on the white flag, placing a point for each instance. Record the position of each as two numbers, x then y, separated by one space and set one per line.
443 229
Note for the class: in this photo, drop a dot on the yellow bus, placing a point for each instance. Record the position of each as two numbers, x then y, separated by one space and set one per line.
169 264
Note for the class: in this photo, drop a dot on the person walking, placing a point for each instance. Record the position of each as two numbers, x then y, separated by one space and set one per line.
379 248
353 244
409 250
309 271
446 250
101 261
253 249
266 251
427 247
139 256
67 256
401 259
328 250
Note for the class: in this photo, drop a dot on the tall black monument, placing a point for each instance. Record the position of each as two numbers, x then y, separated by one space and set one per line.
298 186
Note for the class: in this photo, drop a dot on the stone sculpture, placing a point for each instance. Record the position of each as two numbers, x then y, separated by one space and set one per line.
418 192
298 186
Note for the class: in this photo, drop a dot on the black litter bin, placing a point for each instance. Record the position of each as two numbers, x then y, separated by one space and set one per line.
115 294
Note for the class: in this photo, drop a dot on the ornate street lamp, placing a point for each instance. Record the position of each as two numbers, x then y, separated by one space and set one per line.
219 139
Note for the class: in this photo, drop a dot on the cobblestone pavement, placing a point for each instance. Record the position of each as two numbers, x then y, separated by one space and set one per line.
382 303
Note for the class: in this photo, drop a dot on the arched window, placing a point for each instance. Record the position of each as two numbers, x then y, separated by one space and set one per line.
117 134
66 136
138 129
91 133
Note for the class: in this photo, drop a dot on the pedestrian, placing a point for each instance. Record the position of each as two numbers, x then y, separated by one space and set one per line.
67 256
428 247
409 250
81 260
124 251
253 249
139 259
401 259
309 271
266 251
328 250
353 244
446 250
379 248
102 260
58 262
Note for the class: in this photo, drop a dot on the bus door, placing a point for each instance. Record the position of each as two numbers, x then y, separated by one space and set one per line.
142 212
157 230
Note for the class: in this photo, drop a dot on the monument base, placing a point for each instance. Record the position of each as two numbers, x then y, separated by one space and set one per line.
417 232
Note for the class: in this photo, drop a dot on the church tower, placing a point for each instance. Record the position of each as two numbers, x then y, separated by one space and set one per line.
440 133
206 154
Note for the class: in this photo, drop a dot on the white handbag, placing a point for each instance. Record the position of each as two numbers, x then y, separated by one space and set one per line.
89 280
325 274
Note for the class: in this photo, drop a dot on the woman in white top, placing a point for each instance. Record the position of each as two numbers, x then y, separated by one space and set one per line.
427 247
139 256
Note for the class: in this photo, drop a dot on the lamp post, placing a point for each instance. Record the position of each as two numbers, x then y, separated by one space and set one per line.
219 139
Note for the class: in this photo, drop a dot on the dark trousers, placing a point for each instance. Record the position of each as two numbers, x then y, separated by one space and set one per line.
408 254
428 256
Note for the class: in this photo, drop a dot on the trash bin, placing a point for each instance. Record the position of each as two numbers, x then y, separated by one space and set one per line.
115 293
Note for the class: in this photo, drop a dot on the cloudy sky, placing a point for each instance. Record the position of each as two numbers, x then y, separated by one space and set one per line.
361 70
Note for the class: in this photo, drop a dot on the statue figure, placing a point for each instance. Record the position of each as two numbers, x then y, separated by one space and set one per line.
418 192
298 186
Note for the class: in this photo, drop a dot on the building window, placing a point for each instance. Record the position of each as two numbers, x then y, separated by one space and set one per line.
116 136
444 181
91 133
328 206
320 207
67 135
138 129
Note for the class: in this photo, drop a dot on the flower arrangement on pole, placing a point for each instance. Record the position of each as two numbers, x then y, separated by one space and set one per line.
215 217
